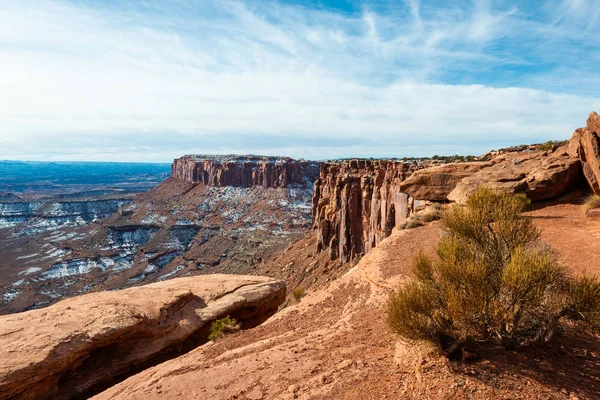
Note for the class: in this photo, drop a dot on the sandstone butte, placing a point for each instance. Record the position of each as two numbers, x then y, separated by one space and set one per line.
334 343
83 344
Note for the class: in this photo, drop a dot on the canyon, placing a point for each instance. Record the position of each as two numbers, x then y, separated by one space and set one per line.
329 239
182 227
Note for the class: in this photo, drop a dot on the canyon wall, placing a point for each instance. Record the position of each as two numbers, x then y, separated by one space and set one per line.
245 171
357 203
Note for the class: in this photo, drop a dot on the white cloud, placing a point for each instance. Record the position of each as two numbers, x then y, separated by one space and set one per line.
100 82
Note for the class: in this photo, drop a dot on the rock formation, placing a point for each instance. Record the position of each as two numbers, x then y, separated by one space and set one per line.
357 203
435 183
586 144
244 171
541 175
82 345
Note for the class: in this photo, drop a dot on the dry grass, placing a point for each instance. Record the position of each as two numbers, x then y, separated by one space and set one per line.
222 327
493 281
592 201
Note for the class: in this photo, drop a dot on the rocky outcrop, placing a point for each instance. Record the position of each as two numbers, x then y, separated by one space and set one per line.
84 344
357 203
435 183
586 144
541 175
245 171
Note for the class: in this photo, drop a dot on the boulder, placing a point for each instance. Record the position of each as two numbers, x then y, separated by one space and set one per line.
84 344
586 144
541 175
435 183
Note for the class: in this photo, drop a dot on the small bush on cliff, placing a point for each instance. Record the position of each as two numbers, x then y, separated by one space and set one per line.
493 281
432 212
222 327
298 293
591 202
550 144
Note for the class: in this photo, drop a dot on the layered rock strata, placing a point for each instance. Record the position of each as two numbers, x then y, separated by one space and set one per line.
244 171
357 203
84 344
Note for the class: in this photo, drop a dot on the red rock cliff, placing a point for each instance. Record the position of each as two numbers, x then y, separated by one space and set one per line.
244 171
357 203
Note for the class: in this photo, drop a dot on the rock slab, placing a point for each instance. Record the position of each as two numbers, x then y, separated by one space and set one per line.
436 183
84 344
541 175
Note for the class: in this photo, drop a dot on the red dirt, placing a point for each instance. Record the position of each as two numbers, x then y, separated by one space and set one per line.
334 344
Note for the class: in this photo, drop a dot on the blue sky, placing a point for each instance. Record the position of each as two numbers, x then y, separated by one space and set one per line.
152 80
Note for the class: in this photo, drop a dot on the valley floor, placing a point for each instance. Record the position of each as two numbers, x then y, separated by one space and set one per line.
334 343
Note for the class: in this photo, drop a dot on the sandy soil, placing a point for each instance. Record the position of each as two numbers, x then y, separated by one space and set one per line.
334 344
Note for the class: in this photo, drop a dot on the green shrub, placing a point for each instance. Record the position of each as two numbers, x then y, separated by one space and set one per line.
222 327
298 293
592 201
493 281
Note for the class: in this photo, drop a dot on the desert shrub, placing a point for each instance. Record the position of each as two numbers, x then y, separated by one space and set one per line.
298 293
584 301
592 201
410 223
550 144
493 281
222 327
431 213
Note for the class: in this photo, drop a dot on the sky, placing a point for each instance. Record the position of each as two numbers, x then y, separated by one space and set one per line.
152 80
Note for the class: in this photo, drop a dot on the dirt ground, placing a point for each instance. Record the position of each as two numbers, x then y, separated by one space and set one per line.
334 344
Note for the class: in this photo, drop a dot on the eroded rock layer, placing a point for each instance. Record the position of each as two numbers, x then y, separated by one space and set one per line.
84 344
586 144
357 203
244 171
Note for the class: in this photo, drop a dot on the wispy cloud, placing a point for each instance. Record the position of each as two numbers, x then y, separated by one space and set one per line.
154 80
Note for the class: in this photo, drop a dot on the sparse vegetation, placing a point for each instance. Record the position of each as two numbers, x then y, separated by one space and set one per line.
592 201
550 144
493 281
222 327
443 159
298 293
430 213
